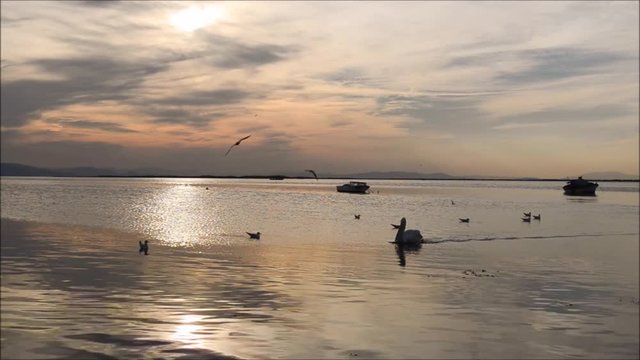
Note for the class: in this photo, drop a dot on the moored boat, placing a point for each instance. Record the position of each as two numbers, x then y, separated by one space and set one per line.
580 187
353 187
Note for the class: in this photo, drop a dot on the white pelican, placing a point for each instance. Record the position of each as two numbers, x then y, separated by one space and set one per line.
410 237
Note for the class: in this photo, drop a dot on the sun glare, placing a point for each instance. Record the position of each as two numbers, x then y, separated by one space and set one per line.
195 17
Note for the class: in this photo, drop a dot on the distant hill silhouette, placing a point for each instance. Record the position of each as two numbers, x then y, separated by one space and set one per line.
609 175
398 175
13 169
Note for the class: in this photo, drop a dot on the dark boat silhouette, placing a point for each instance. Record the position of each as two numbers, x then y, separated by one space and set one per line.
580 187
353 187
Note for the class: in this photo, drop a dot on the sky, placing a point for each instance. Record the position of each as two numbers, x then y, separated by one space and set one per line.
508 88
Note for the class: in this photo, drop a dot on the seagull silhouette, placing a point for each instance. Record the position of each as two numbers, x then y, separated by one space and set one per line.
313 172
237 143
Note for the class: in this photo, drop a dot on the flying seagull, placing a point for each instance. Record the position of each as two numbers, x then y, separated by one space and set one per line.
313 172
237 143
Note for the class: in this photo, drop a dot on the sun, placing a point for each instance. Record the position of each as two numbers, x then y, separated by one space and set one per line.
195 17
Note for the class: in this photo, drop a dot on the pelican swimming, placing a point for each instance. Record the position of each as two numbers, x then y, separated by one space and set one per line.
254 236
408 237
237 143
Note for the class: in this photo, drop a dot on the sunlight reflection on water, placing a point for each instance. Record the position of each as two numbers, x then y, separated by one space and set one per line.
320 283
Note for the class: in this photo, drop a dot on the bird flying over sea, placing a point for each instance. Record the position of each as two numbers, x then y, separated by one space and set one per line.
313 172
237 143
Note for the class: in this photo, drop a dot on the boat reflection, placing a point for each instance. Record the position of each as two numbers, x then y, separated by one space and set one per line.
402 249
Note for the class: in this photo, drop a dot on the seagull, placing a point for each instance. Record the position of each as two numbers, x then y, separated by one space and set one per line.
526 219
144 247
464 220
357 216
408 237
536 217
237 143
527 214
313 172
254 236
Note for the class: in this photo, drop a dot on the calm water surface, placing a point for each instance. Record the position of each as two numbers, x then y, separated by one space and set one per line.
319 283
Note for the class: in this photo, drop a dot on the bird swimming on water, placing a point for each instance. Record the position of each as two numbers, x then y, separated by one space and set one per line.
254 235
237 143
144 247
527 214
407 237
526 219
464 220
536 217
357 216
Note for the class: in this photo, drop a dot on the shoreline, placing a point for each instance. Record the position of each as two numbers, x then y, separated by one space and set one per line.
268 177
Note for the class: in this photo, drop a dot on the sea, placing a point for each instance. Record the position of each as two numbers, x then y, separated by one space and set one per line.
319 283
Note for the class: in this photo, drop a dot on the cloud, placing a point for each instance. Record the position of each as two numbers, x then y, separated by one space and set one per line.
557 63
81 80
206 98
352 76
517 126
441 112
230 53
517 67
182 117
87 124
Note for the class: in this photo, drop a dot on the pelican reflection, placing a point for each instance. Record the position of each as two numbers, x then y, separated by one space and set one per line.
402 249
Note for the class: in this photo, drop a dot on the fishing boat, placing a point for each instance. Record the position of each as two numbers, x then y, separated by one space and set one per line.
580 187
353 187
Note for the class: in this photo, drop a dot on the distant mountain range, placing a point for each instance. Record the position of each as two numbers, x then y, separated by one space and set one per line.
13 169
609 175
